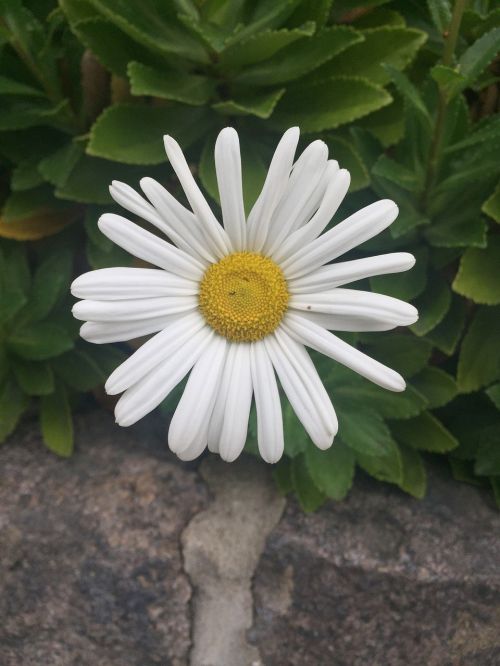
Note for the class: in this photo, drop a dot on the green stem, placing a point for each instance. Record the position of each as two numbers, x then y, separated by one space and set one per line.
450 43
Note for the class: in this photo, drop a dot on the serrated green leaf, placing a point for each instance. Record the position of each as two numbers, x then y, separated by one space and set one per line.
409 92
349 158
445 336
299 59
388 405
169 84
12 87
132 133
491 206
424 432
384 468
487 132
449 80
478 276
386 167
440 11
34 377
57 167
460 229
432 306
387 125
260 105
296 438
436 385
362 429
26 175
388 45
266 14
40 341
494 394
309 496
56 422
332 471
479 360
326 105
13 403
478 56
405 353
262 46
406 286
22 205
414 479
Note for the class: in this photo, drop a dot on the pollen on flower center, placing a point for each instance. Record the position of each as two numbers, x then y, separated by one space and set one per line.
243 296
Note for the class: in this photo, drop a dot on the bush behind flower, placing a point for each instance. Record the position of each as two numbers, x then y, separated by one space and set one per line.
406 97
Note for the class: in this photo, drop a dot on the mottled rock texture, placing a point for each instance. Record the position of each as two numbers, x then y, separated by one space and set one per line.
90 564
116 556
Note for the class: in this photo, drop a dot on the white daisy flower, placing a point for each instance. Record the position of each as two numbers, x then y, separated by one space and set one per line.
237 305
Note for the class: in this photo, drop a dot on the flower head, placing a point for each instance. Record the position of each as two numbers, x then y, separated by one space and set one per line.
235 306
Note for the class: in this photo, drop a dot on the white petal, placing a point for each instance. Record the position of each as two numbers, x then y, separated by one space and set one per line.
353 231
185 229
101 332
150 248
335 193
272 191
112 284
188 432
357 303
335 275
148 392
306 175
228 169
238 401
303 387
128 198
316 337
267 401
345 322
132 310
154 351
214 234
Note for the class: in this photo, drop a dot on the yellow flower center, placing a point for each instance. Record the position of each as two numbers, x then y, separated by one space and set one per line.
243 296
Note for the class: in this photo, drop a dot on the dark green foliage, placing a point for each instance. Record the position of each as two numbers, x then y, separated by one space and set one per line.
406 96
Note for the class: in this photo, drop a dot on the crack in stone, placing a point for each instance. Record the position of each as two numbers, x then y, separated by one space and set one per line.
221 547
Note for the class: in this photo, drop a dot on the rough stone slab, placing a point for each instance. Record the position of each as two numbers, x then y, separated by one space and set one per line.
90 564
383 580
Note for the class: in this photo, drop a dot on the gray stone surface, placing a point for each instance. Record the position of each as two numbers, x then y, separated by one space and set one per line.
90 564
122 556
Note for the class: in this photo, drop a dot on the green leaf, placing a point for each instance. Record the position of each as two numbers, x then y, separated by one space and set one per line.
405 286
34 378
57 167
282 475
261 105
478 56
491 206
424 432
132 133
387 125
299 59
332 470
488 453
495 486
494 394
440 11
14 279
479 360
361 428
463 471
11 87
79 370
462 229
56 422
478 275
397 173
266 14
50 282
409 92
405 353
147 24
321 106
414 479
384 468
40 341
26 175
432 306
349 158
388 45
448 79
309 496
22 205
262 46
445 336
169 84
296 438
12 406
436 385
387 404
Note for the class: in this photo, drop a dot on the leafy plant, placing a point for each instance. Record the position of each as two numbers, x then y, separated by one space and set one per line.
406 96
